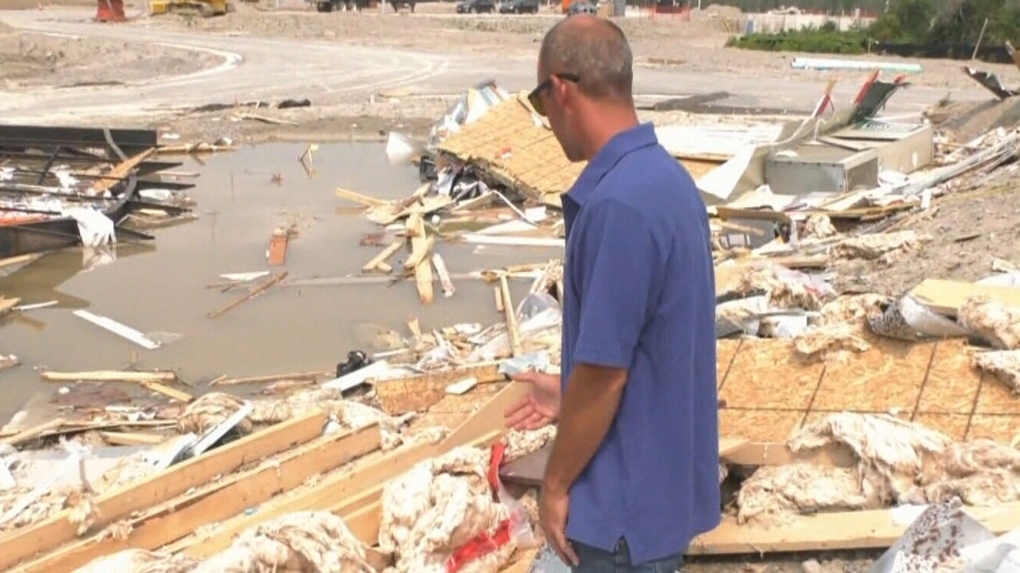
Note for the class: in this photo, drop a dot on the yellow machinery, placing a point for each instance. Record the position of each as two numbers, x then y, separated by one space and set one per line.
206 8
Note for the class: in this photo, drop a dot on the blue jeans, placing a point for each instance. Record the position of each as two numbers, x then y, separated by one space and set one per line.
594 560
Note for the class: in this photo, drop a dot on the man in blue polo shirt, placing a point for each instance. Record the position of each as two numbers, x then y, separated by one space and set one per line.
633 475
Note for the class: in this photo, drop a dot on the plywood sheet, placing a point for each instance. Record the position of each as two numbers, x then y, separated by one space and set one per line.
999 428
508 142
759 425
952 384
996 398
725 351
886 377
946 297
952 425
767 374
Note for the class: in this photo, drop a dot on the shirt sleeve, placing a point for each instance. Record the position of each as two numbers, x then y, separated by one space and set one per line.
621 268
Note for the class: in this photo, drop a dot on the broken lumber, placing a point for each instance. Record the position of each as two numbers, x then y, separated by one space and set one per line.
254 293
423 270
132 438
31 434
381 258
110 376
167 391
866 529
414 393
111 506
226 498
946 297
322 495
444 275
419 252
363 485
6 304
120 172
511 317
360 198
312 376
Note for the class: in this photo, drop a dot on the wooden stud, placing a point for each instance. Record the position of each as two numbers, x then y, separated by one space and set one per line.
231 496
172 393
31 434
257 291
832 531
511 317
379 260
120 172
109 376
113 505
132 438
360 198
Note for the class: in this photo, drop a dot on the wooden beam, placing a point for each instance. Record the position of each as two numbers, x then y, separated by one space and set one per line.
489 418
233 495
254 293
110 376
363 485
172 393
30 434
132 438
384 256
423 270
869 529
360 198
946 297
114 505
120 171
511 316
324 494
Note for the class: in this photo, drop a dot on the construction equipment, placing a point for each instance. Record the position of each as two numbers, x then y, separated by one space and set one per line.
206 8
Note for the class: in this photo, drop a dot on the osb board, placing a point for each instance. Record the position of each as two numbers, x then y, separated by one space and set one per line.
759 425
952 425
947 297
454 410
767 375
952 384
888 376
725 352
996 398
995 427
507 140
762 389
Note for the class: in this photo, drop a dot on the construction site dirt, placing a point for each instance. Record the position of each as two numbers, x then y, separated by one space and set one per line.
265 311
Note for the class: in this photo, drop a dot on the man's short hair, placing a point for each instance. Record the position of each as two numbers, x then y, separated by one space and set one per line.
596 50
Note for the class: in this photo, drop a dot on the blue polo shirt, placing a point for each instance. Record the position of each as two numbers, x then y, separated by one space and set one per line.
640 294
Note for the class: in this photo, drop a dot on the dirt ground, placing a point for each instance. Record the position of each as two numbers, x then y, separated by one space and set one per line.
696 45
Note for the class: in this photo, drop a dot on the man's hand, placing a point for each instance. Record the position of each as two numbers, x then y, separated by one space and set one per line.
553 506
540 407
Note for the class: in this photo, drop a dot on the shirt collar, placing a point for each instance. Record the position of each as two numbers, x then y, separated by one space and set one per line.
641 135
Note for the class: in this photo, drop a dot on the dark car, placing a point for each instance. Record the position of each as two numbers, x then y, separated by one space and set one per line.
581 7
519 7
476 6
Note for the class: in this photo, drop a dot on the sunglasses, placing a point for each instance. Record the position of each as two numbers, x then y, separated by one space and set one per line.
535 97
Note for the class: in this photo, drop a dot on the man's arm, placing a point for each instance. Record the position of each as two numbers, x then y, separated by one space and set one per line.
587 411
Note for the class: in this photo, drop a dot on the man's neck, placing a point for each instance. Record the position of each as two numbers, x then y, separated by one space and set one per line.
610 122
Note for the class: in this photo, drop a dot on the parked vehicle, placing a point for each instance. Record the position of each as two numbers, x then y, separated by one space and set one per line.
476 6
519 7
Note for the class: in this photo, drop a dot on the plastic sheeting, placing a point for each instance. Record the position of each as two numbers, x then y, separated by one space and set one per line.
945 539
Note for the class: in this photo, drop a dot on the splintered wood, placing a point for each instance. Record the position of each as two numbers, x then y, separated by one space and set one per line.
379 261
420 246
254 293
767 391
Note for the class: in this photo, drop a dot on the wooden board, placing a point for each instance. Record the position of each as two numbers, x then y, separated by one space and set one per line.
114 505
828 531
417 393
229 497
946 297
360 487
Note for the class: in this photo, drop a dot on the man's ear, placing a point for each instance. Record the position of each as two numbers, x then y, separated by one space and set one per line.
561 91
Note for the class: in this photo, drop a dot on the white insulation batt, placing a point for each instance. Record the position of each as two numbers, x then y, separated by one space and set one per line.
897 462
